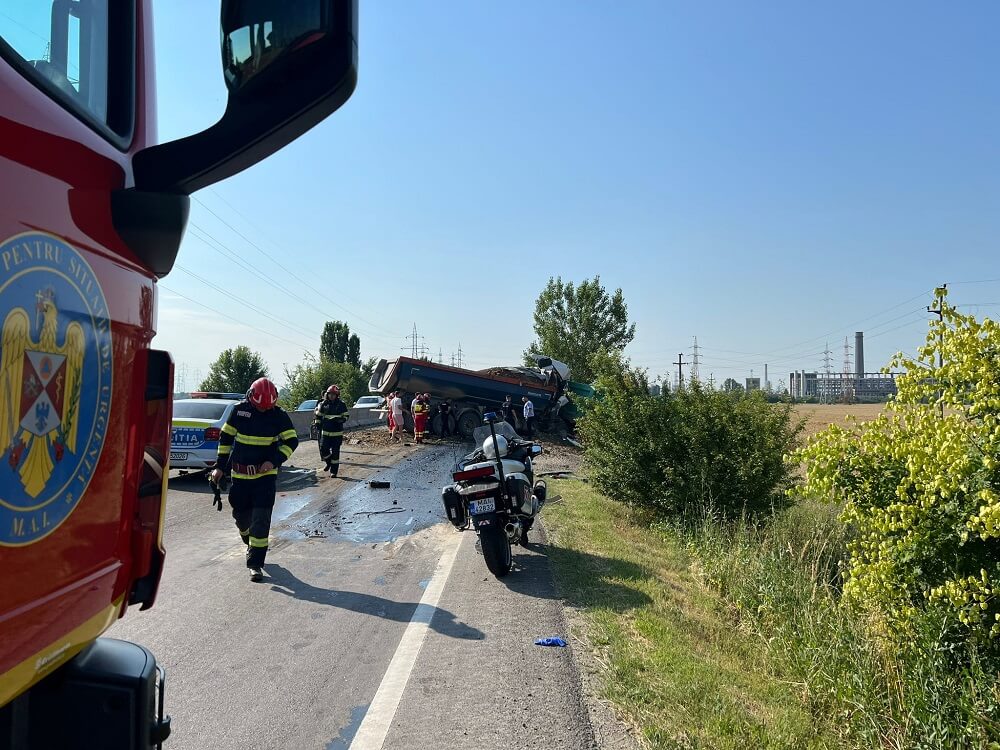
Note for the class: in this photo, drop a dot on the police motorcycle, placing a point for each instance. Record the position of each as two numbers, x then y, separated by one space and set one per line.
494 492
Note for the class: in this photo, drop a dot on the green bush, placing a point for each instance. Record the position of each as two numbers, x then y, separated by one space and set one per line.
693 452
921 487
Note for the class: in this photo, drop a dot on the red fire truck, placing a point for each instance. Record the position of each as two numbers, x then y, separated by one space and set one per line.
92 212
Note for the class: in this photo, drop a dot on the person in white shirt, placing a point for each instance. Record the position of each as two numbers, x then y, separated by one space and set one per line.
396 407
529 416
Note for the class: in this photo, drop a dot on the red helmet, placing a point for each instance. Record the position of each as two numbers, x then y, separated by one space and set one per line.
334 389
263 394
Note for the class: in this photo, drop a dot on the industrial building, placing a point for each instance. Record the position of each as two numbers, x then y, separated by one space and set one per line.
856 385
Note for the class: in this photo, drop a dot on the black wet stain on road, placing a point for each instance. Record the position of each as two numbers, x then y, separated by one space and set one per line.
363 515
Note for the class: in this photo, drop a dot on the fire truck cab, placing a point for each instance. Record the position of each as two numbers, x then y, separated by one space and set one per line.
92 212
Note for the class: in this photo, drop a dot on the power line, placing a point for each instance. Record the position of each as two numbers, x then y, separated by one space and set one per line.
264 234
246 303
291 273
221 248
851 325
976 281
230 317
904 325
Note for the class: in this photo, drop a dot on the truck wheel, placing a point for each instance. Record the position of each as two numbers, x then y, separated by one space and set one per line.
496 551
436 424
468 421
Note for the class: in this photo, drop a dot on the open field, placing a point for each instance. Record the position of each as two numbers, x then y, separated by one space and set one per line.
820 416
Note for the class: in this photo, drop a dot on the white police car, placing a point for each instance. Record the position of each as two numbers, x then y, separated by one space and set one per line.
197 426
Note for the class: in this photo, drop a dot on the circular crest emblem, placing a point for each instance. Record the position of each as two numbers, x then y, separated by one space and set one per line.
55 383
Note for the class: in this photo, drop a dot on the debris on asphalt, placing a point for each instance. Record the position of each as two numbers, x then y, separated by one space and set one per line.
379 512
553 641
378 484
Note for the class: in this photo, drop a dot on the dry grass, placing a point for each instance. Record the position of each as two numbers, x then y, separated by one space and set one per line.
820 416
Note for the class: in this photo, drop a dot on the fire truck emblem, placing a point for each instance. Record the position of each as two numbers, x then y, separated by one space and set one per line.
55 383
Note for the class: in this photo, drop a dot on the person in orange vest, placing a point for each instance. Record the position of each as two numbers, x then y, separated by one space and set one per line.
421 410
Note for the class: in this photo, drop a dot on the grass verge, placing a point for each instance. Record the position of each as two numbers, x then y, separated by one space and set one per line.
676 664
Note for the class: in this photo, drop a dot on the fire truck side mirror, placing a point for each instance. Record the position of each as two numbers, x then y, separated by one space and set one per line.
287 66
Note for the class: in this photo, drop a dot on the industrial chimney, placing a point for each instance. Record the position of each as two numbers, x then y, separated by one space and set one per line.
859 354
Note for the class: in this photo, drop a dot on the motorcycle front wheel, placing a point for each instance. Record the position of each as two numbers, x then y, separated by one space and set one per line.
496 551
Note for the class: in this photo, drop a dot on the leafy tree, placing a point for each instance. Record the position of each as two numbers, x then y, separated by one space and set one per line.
312 377
729 385
333 341
338 344
921 486
573 322
353 357
234 371
368 368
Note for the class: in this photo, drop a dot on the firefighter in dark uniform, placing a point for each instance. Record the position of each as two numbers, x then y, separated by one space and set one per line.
444 409
331 414
507 411
256 439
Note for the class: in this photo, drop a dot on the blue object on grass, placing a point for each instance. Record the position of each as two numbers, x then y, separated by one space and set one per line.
554 641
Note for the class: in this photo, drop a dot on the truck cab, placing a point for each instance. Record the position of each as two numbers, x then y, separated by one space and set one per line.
92 213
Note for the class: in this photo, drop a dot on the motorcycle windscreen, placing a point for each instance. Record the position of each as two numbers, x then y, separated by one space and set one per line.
501 428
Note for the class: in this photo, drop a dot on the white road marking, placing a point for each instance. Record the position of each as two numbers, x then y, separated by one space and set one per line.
375 726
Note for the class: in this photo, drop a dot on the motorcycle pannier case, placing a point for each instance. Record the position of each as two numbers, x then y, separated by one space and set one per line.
454 507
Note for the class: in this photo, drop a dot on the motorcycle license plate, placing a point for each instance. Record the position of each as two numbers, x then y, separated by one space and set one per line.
482 506
178 456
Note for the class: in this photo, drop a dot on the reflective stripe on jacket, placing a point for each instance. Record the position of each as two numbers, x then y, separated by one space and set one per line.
251 437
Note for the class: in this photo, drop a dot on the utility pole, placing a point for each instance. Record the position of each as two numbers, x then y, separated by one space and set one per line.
711 380
413 343
828 371
697 361
680 370
440 357
939 311
460 361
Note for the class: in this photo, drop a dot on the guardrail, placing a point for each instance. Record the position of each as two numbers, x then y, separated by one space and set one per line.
363 417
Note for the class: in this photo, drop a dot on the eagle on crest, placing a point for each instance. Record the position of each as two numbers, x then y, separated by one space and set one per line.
40 383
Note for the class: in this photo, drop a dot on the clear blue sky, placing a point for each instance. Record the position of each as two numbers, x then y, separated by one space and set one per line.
768 177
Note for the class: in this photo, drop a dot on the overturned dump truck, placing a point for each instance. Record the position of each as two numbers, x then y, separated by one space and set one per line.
473 392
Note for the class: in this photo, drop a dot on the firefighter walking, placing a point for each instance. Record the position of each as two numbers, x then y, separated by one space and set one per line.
257 438
331 414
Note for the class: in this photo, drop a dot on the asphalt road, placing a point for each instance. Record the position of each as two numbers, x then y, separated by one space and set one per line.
377 624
